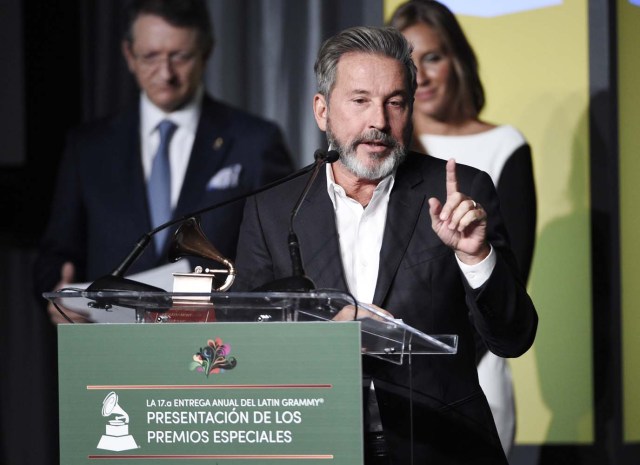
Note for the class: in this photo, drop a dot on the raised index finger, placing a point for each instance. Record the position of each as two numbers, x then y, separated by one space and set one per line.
452 180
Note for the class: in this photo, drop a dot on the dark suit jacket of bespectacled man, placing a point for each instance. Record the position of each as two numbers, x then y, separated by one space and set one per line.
437 255
100 208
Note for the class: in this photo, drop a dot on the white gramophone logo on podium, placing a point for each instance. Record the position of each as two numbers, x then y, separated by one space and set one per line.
116 437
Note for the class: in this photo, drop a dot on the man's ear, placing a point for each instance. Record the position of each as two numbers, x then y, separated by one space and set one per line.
320 111
128 55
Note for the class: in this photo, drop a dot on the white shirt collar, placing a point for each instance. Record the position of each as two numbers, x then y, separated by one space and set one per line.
186 118
383 188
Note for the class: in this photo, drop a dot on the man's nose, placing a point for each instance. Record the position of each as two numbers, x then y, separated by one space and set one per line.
165 68
379 118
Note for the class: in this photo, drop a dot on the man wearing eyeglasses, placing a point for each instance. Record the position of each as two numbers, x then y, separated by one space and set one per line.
176 150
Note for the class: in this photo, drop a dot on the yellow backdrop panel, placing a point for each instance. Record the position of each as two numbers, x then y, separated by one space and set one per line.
534 66
629 98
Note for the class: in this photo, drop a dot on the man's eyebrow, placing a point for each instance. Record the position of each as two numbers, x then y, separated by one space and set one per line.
398 92
359 92
395 93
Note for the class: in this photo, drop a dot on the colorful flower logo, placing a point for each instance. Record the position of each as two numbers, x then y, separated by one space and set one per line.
213 358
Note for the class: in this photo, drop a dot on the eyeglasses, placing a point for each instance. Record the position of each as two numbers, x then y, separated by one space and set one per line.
176 59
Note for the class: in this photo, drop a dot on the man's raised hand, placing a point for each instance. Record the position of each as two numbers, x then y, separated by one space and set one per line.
460 223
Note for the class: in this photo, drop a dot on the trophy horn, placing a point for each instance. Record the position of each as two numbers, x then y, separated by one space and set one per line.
190 240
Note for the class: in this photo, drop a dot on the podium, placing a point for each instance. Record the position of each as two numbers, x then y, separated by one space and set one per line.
226 377
385 338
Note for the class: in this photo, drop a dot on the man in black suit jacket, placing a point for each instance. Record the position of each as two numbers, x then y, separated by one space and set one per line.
373 225
101 205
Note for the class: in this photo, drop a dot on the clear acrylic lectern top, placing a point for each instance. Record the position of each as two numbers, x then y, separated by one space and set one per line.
382 336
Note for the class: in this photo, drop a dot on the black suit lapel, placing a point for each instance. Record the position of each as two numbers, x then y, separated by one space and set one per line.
403 212
130 191
315 226
130 188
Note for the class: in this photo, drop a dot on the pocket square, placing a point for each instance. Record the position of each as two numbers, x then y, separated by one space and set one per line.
226 178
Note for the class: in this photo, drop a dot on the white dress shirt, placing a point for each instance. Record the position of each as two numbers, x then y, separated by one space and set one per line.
181 143
361 230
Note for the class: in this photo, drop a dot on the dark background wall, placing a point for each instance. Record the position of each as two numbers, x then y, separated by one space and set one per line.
61 66
41 78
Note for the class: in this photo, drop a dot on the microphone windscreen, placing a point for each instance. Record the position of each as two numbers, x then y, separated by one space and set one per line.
319 155
332 156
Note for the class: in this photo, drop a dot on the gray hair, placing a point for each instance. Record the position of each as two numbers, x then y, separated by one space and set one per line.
384 41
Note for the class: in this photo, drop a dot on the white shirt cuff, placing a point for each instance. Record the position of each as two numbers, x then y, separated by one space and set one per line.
478 274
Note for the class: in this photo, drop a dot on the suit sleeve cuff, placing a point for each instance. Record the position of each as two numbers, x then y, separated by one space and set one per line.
479 273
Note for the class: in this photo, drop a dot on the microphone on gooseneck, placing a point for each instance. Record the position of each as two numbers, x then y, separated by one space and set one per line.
321 157
115 281
298 281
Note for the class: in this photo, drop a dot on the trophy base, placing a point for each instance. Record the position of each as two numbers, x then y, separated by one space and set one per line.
117 443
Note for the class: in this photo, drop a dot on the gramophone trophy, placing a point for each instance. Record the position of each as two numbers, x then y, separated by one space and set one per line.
116 437
190 240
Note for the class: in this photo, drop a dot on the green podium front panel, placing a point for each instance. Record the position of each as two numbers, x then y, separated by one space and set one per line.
211 393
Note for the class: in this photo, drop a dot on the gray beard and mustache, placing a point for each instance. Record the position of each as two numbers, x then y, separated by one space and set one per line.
386 163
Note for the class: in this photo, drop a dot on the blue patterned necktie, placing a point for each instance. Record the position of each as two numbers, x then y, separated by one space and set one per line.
159 185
